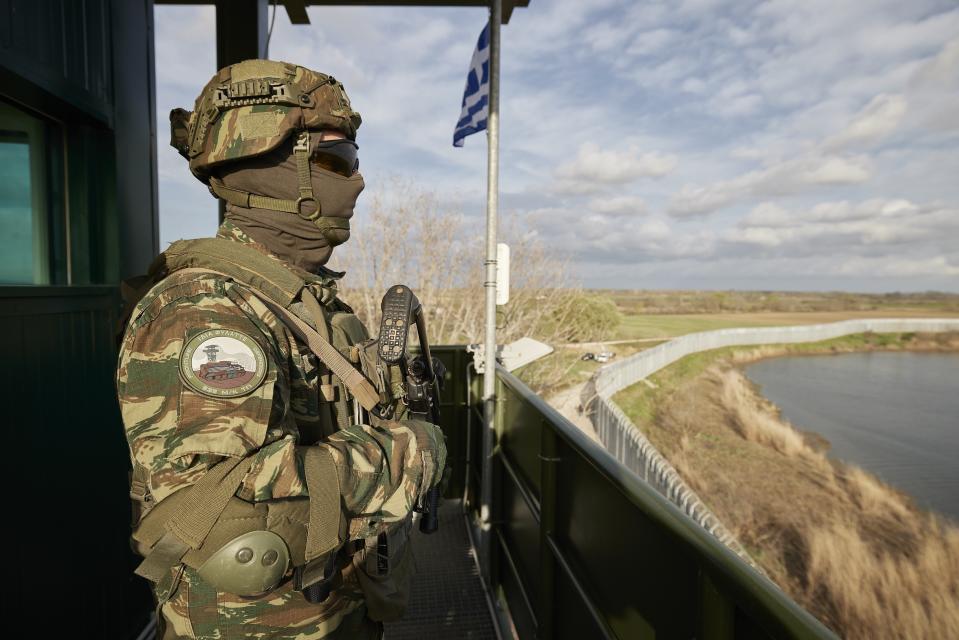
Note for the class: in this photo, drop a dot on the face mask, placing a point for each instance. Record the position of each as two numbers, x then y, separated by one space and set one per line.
336 197
304 240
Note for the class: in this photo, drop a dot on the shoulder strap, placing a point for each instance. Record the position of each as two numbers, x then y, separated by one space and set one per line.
236 260
361 388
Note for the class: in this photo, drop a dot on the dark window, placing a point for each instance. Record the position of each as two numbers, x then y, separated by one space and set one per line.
31 199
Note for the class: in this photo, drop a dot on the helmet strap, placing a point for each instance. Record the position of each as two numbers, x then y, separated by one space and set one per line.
301 153
245 199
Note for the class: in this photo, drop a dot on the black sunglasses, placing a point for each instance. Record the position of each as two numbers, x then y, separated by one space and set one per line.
337 155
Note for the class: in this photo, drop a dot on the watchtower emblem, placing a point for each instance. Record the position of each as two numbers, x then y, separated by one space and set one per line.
222 363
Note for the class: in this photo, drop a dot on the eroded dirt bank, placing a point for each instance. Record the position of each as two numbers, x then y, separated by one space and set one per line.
856 552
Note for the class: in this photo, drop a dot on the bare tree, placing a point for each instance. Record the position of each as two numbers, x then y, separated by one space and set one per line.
407 237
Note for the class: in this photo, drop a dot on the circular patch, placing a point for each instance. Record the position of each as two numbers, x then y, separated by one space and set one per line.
222 363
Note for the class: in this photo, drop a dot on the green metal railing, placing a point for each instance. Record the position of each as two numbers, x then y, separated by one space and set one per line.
582 548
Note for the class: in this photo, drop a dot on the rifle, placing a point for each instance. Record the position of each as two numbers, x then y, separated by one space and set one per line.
423 375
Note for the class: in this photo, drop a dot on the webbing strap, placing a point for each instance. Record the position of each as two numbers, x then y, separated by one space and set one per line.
361 388
301 151
166 554
195 517
249 200
323 485
206 501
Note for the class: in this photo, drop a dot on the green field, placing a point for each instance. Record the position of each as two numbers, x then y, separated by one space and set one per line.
633 327
647 318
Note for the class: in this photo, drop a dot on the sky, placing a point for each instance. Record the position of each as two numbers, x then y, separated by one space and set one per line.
695 144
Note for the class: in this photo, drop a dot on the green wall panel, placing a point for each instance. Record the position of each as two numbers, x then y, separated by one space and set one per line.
67 472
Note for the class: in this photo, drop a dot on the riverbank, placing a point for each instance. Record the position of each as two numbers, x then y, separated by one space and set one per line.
855 552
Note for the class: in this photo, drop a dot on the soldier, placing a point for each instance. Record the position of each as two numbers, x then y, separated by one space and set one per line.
274 469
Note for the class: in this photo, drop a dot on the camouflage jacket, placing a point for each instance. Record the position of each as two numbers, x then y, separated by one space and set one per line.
177 430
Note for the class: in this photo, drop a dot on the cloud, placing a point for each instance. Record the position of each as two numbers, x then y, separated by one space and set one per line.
619 205
613 237
845 229
652 41
769 214
876 121
899 268
819 137
782 179
595 167
935 86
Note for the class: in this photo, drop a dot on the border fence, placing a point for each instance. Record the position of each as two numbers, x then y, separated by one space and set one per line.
628 445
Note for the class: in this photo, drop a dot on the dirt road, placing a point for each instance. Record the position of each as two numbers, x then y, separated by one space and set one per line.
567 403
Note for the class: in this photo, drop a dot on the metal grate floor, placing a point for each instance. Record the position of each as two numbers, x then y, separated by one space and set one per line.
447 601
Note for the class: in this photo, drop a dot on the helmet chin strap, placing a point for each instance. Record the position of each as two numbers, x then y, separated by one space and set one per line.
301 153
247 200
339 196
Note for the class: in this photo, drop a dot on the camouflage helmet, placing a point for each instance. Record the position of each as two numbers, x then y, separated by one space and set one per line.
252 107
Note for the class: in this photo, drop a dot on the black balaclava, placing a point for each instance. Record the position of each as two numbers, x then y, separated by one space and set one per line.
305 243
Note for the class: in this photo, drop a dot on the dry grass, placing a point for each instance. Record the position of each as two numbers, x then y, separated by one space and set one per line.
855 552
879 593
751 418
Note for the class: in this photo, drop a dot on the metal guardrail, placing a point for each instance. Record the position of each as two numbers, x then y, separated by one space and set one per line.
628 444
583 548
619 375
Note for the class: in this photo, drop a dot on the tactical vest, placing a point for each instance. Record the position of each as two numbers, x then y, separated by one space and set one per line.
206 527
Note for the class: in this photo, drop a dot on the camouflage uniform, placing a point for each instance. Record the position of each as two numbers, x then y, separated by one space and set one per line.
176 434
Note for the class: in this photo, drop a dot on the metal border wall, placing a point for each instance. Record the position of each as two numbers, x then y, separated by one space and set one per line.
630 447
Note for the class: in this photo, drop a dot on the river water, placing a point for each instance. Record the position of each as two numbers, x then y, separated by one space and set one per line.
894 414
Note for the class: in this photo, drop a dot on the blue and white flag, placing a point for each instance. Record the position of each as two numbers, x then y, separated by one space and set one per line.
475 111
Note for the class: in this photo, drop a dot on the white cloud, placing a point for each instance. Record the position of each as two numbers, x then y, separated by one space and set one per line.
771 215
885 267
935 86
595 167
877 120
605 36
619 205
846 229
831 170
651 41
782 179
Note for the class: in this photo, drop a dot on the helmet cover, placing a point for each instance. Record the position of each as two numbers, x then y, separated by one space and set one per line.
251 107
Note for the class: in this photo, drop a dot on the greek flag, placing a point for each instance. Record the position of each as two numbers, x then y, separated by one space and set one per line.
476 95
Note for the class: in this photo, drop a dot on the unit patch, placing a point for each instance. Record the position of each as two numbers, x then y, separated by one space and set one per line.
222 363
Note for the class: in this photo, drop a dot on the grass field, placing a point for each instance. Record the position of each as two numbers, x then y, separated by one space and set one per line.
685 302
672 325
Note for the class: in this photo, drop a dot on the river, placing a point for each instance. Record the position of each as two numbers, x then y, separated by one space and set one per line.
894 414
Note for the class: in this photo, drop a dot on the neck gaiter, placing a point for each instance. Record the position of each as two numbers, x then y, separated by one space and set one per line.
304 243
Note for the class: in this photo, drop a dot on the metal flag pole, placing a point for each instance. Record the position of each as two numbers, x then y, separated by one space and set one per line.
489 376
